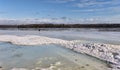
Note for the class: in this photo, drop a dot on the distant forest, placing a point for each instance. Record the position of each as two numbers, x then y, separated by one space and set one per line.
62 26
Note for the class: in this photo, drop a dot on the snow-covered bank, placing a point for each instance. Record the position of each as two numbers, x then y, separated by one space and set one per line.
106 52
30 40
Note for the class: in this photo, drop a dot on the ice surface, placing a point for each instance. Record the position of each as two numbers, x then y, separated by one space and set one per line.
81 34
102 45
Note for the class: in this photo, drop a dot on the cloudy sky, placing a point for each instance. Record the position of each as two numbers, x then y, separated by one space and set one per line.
59 11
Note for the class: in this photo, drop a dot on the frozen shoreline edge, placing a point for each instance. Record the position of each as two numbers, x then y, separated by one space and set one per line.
105 52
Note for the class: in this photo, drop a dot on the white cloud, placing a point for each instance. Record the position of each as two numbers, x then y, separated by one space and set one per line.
89 3
35 21
102 10
99 19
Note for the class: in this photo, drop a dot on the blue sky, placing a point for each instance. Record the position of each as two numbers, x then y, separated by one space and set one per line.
61 10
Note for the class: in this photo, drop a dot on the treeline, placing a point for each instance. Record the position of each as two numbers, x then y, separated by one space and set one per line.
62 26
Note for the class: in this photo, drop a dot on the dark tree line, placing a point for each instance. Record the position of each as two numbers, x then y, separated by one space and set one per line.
62 26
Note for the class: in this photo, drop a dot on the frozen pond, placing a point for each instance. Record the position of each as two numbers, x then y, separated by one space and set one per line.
92 35
46 56
54 57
